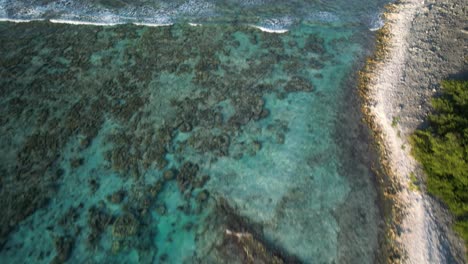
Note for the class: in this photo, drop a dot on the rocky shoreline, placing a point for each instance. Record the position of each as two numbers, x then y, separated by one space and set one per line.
420 45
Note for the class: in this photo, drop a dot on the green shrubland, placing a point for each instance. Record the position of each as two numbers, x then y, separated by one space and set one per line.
442 149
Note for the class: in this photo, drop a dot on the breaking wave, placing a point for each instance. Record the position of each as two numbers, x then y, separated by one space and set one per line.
376 22
267 15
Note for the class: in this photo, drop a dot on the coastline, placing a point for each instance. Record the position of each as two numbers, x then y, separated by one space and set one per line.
410 60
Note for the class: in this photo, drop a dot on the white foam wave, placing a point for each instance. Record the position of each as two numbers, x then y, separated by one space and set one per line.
276 25
18 20
75 22
168 12
269 30
376 22
194 24
152 24
77 12
108 18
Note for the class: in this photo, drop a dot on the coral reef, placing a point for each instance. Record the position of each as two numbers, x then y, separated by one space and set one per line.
63 246
125 226
117 130
98 220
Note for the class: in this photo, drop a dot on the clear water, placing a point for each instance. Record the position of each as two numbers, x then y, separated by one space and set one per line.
135 144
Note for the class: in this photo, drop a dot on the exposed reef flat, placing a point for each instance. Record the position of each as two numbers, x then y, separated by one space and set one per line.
422 43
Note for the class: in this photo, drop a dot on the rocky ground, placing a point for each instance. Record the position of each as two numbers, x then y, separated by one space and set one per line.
426 44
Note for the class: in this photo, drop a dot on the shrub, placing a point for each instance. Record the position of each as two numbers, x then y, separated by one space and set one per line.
395 121
442 149
414 183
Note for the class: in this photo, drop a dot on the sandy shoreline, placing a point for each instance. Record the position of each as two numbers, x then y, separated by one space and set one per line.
421 44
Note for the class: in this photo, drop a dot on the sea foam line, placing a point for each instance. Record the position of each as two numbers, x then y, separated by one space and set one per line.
19 20
86 23
377 23
75 22
152 24
269 30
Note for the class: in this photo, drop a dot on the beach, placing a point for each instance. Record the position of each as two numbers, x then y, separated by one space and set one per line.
422 43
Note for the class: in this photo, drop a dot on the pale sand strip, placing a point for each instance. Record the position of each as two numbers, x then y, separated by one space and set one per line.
420 234
417 236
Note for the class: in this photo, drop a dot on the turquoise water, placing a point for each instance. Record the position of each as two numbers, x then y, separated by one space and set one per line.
135 144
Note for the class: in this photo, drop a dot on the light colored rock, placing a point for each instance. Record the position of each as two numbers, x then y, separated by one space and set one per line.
426 226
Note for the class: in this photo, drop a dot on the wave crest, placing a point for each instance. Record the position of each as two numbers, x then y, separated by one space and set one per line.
268 15
376 22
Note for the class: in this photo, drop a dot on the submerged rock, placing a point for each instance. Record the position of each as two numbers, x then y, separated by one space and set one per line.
203 196
241 239
298 84
244 247
254 147
68 220
63 247
98 220
316 64
75 163
161 209
168 175
315 44
126 225
201 181
117 197
187 175
85 143
93 185
155 189
185 127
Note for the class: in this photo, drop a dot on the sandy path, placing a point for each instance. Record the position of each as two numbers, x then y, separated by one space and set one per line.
399 93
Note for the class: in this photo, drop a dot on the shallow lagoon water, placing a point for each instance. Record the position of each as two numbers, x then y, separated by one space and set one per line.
133 144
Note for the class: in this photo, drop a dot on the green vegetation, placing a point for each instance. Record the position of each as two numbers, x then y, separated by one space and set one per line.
395 121
414 182
442 149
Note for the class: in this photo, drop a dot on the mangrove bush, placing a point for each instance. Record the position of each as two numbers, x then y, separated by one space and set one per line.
442 149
